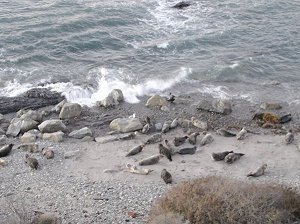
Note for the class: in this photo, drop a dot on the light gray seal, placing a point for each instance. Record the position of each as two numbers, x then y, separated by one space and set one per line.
289 138
225 133
48 153
135 150
193 138
218 156
232 157
258 172
151 160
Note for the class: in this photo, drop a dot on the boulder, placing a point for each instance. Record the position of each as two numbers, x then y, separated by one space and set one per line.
156 100
54 137
28 138
51 126
81 133
199 124
15 127
3 140
113 98
28 124
29 147
88 139
117 95
70 110
33 115
19 113
57 107
221 106
270 106
126 125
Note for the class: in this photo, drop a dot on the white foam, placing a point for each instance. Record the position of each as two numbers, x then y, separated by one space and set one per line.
14 88
234 65
163 45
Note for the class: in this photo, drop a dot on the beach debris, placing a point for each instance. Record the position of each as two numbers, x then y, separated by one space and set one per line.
258 172
154 139
135 150
225 133
180 140
289 137
165 151
218 156
165 108
285 118
134 169
232 157
151 160
207 139
193 138
48 153
187 150
166 176
31 161
132 214
5 150
242 134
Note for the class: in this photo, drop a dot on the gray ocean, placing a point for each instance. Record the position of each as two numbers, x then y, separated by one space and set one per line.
85 48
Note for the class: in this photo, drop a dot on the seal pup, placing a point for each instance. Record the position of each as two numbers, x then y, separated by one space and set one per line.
48 153
225 133
258 172
181 5
218 156
180 140
232 157
208 138
151 160
170 147
154 139
165 151
166 176
171 98
289 137
174 123
187 150
242 134
5 150
135 150
146 128
31 161
166 127
193 138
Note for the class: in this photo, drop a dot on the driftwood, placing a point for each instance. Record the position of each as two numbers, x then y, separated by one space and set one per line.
32 99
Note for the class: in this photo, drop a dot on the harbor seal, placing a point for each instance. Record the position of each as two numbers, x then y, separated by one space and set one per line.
232 157
242 134
218 156
187 150
151 160
258 172
285 118
289 138
180 140
146 128
135 150
154 139
170 147
31 161
207 139
166 127
48 153
166 176
225 133
181 5
5 150
165 151
193 138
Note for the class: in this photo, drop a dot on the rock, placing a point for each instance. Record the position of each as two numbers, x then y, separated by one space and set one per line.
156 100
29 147
46 218
51 126
117 95
2 162
111 138
2 132
270 106
83 132
158 126
184 123
107 102
15 127
70 110
222 106
20 113
28 138
71 154
113 98
58 107
126 125
88 139
3 140
33 115
28 124
54 137
165 108
199 124
1 117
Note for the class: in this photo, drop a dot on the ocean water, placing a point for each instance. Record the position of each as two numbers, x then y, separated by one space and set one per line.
85 48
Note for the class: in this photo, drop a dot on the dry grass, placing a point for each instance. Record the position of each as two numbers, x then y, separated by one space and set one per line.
218 200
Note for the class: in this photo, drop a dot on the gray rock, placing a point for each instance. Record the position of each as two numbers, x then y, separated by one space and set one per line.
3 139
111 138
70 110
29 147
156 100
54 137
113 98
158 126
199 124
117 95
20 113
126 125
51 126
165 109
1 117
88 139
222 106
28 124
33 115
83 132
58 107
71 154
28 138
15 127
270 106
2 132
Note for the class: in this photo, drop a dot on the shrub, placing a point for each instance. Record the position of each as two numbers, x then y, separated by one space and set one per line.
218 200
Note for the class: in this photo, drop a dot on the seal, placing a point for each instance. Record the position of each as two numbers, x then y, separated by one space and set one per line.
181 5
174 123
165 151
154 139
151 160
258 172
166 127
5 150
285 118
180 140
289 137
218 156
171 98
208 138
32 162
225 133
193 138
48 153
232 157
170 147
166 176
146 128
242 134
135 150
187 150
147 120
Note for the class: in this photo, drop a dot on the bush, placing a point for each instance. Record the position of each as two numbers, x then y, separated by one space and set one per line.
218 200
